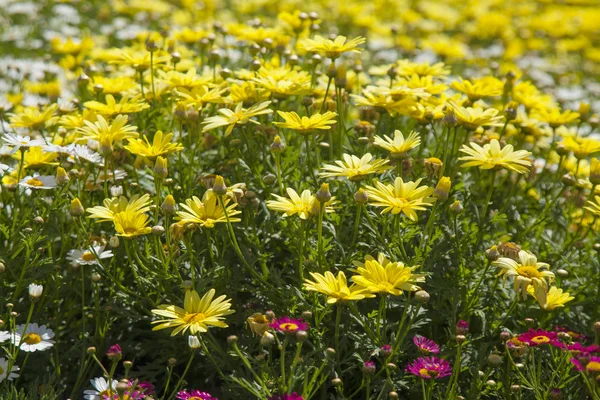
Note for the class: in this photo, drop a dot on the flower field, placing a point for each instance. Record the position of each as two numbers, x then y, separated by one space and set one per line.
385 199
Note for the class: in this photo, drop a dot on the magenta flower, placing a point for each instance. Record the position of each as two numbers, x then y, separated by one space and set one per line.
369 367
290 396
194 395
576 348
462 327
574 335
386 350
426 346
114 352
591 364
289 325
537 337
430 368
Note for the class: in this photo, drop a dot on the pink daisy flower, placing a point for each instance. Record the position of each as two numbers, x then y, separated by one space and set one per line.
289 325
537 337
290 396
430 368
426 346
194 395
576 348
592 366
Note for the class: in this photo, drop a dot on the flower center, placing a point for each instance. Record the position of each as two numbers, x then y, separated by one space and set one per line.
129 231
529 272
540 339
289 326
593 366
423 372
32 338
34 182
194 318
88 256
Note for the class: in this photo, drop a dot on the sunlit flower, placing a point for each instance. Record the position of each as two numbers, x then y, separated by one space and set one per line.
161 145
131 223
473 118
430 368
89 256
401 197
332 48
537 337
208 211
476 89
592 366
5 374
409 68
194 394
551 299
197 314
386 277
289 325
491 155
335 288
127 105
581 147
306 125
426 346
399 145
18 141
354 168
105 133
38 182
554 117
33 118
304 205
102 389
526 271
112 206
239 116
35 338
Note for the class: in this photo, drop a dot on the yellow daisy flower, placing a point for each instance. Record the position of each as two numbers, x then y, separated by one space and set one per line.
335 288
305 125
398 146
549 300
554 117
401 197
207 212
239 116
115 205
492 156
197 314
103 132
473 118
161 146
33 118
131 223
476 89
354 168
383 276
581 147
527 271
304 205
332 48
126 105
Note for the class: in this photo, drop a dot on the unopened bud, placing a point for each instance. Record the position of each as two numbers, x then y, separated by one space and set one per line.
494 360
168 206
361 197
267 339
492 253
160 167
62 176
277 146
456 207
422 296
114 242
76 208
323 195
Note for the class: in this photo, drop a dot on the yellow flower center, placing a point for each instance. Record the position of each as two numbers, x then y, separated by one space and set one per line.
593 366
540 339
34 182
88 256
289 326
129 231
32 338
424 371
194 318
529 272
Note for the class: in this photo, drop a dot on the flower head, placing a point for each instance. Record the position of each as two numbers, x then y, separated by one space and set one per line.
592 366
430 368
289 325
383 276
406 198
335 288
332 48
354 168
426 346
399 145
304 205
287 396
89 256
549 299
537 337
473 118
194 394
239 116
36 337
306 125
197 314
208 211
108 134
527 271
5 373
492 156
161 146
127 105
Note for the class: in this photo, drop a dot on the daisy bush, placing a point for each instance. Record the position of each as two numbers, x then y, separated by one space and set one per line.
286 200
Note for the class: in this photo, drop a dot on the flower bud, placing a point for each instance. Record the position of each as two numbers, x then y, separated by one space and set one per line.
158 230
422 296
330 351
563 273
301 336
231 340
122 387
492 253
35 291
460 339
442 189
340 77
491 383
449 118
219 187
193 342
597 326
323 195
555 394
269 179
456 207
393 395
361 197
91 350
180 111
369 368
494 360
267 339
114 352
433 166
386 350
61 176
76 208
128 365
114 242
515 388
584 110
277 146
307 315
96 277
568 180
336 382
160 168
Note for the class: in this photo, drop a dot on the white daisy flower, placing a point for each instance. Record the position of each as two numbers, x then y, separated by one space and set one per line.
55 148
35 291
88 256
39 182
4 373
85 153
18 141
35 338
65 106
3 168
4 336
101 389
